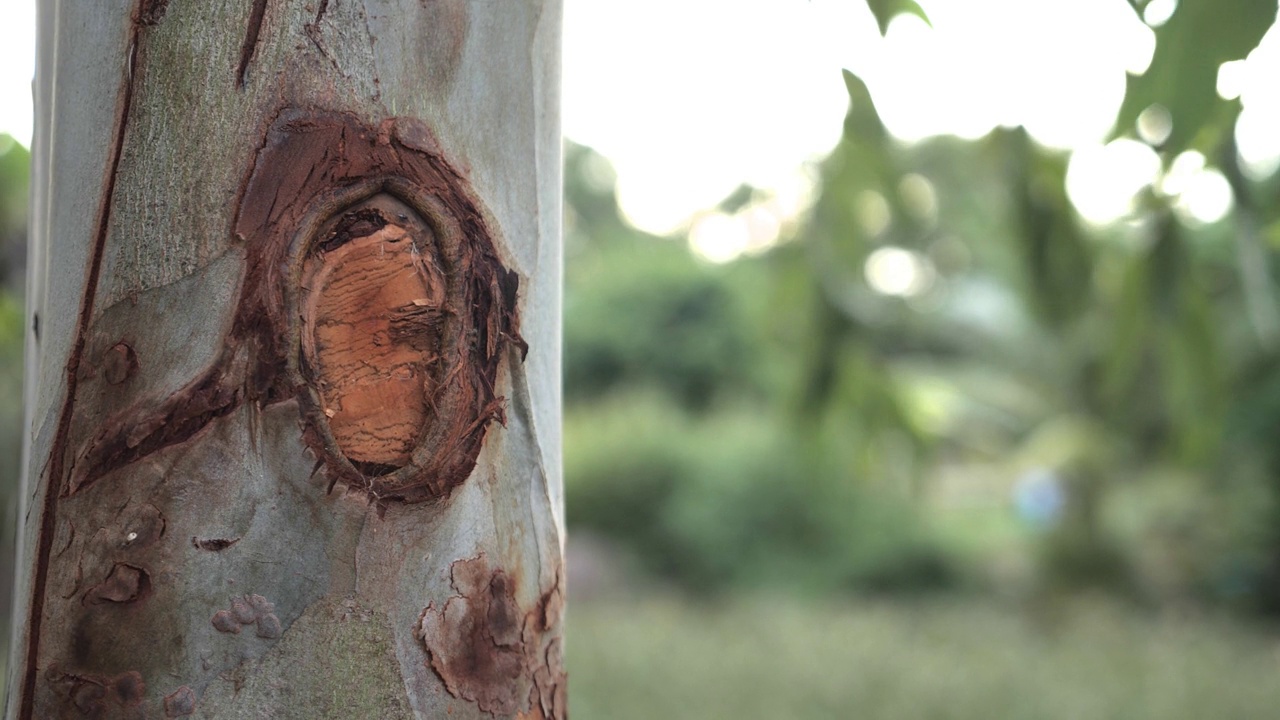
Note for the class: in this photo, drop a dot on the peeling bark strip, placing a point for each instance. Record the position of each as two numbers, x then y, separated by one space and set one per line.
373 294
489 651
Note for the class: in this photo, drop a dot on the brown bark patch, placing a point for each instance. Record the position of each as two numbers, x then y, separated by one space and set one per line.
135 433
124 584
129 687
490 651
93 695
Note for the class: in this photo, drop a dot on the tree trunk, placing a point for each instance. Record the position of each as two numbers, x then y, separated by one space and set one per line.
293 362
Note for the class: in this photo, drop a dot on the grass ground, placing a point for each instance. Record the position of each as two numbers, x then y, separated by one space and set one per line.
947 660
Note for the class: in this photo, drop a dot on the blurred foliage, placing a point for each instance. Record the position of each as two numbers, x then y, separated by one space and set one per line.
783 420
15 164
673 370
729 500
14 169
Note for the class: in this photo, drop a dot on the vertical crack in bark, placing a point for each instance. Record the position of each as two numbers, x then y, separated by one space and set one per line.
312 31
146 14
250 45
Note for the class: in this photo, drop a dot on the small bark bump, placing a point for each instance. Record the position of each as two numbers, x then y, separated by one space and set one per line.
119 363
245 610
180 703
242 612
225 622
269 627
260 605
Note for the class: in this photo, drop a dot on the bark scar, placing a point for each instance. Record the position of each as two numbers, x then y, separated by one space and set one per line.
321 186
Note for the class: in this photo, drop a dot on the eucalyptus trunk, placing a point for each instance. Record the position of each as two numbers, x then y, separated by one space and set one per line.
293 362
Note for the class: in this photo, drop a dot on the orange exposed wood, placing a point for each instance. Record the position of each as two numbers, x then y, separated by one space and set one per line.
374 371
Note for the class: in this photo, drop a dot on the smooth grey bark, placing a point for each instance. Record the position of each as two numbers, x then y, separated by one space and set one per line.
150 116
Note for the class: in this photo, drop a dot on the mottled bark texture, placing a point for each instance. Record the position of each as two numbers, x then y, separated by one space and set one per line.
293 398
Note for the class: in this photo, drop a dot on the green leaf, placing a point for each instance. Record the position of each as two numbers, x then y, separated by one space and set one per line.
862 123
742 196
886 10
1183 76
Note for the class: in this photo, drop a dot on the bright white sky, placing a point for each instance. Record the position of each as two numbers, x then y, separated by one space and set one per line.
17 67
691 98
